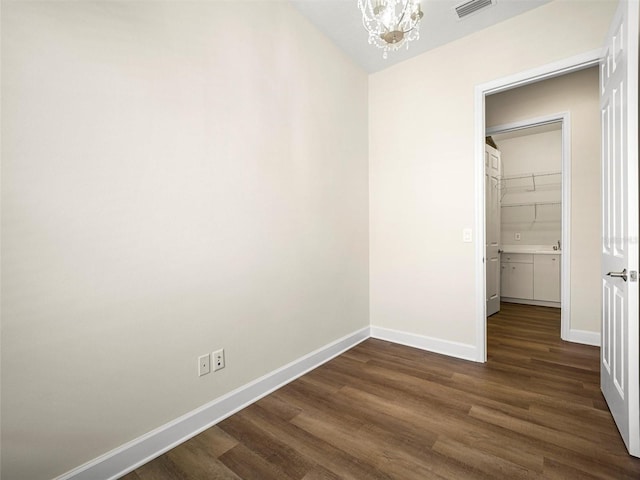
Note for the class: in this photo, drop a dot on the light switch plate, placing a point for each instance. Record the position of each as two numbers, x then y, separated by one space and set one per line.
204 364
467 235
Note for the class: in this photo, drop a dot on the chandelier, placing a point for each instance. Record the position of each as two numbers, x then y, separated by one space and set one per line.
391 23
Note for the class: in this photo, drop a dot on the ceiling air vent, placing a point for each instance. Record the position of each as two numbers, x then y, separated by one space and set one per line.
472 6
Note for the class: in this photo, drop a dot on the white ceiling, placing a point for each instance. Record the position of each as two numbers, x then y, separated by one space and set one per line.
341 21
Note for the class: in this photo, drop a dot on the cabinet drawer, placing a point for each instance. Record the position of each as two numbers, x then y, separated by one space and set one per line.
547 260
517 257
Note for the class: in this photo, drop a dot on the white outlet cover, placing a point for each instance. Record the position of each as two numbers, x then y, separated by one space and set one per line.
218 360
467 235
518 236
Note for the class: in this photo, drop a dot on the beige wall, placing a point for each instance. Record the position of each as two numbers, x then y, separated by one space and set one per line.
421 163
577 94
177 177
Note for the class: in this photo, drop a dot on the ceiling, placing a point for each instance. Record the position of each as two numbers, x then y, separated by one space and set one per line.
341 21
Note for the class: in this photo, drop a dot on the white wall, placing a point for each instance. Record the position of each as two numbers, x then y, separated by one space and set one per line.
525 155
176 178
421 168
577 94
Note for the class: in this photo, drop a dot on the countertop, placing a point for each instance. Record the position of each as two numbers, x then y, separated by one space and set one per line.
537 249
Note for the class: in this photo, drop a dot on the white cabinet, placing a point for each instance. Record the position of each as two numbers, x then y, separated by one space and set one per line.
517 276
546 278
530 278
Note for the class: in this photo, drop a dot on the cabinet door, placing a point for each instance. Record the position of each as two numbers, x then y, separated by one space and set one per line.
546 274
520 280
517 280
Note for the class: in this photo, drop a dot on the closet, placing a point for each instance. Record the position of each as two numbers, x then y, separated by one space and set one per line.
530 197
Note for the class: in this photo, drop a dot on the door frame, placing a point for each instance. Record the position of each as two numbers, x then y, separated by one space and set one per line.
564 118
562 67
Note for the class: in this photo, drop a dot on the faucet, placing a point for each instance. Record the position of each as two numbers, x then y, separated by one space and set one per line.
557 247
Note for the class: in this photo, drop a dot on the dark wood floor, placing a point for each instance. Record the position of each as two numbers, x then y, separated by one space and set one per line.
384 411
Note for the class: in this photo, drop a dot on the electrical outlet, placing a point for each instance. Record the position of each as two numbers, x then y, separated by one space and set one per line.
518 236
218 360
204 365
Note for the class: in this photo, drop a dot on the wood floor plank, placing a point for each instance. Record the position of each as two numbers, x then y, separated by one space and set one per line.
250 465
374 450
491 465
320 473
554 470
214 441
385 411
266 445
323 453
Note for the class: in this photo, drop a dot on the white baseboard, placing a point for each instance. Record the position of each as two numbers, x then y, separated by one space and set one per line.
583 336
538 303
131 455
436 345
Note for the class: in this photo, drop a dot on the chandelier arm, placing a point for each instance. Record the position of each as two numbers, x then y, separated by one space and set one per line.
404 10
411 29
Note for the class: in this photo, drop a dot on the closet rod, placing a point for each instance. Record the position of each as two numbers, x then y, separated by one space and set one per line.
529 204
529 175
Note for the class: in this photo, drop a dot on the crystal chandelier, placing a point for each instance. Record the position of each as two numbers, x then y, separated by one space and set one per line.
391 23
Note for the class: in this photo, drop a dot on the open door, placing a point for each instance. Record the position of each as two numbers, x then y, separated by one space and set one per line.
619 365
492 172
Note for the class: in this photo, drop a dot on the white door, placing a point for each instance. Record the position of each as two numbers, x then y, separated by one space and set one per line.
619 115
492 169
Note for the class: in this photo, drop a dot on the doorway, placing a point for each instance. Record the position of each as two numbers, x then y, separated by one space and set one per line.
509 84
534 204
